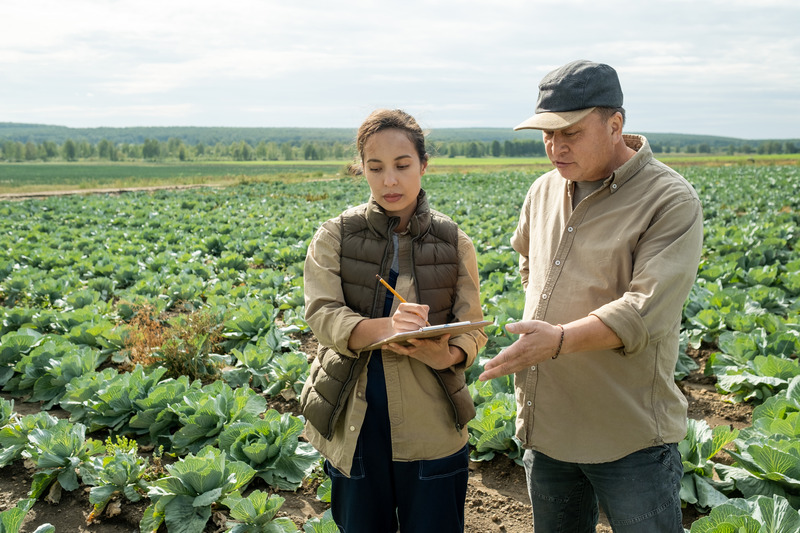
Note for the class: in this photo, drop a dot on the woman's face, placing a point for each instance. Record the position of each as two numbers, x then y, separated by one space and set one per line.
394 173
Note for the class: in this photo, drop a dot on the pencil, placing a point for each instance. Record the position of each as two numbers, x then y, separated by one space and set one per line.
395 293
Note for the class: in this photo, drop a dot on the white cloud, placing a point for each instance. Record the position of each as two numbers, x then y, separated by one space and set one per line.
204 63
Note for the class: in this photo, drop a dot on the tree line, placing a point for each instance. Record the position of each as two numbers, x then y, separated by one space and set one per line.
175 149
761 148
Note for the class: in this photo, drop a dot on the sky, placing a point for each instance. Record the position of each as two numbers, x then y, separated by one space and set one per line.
725 68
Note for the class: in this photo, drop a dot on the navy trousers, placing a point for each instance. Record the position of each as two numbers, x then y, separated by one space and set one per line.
385 496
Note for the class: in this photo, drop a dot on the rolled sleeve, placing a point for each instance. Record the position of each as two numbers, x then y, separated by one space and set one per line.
664 273
626 322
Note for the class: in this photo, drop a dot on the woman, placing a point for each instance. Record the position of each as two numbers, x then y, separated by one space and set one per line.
391 423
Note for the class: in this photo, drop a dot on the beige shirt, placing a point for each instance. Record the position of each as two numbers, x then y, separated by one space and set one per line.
627 254
421 418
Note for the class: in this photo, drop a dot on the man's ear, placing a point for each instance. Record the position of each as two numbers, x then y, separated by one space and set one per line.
615 125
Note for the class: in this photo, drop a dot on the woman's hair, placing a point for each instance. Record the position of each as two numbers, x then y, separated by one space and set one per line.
384 119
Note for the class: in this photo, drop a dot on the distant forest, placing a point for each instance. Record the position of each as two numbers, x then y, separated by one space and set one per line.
37 142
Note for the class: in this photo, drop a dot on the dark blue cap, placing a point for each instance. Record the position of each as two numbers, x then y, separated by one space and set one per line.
571 92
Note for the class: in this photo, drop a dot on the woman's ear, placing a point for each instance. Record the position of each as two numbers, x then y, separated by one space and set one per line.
424 165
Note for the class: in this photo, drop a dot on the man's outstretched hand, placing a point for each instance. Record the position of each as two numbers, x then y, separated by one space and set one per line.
538 342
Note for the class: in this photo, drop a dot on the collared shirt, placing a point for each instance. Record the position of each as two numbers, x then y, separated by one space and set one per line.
421 418
627 254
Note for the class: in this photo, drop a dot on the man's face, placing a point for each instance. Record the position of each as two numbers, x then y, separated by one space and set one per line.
585 151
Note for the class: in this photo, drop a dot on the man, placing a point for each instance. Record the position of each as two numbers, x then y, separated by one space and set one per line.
609 245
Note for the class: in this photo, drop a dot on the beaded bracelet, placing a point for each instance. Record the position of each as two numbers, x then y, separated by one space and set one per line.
560 342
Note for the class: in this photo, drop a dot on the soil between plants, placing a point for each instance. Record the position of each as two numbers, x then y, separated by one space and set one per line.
497 497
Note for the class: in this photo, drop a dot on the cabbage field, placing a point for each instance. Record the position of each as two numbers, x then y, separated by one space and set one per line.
168 324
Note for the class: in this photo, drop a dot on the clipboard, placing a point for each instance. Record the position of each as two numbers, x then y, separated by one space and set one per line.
454 328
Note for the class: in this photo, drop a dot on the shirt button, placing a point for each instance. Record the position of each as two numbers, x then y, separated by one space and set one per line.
533 367
359 394
614 186
544 297
558 263
570 229
530 403
352 428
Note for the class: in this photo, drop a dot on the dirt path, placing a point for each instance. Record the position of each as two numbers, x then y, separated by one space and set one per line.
11 196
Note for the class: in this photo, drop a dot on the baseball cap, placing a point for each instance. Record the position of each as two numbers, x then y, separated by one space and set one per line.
571 92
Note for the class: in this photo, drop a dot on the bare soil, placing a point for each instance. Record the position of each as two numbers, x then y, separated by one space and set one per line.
47 193
497 498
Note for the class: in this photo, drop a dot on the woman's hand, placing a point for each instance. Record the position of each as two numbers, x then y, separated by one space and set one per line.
410 317
434 352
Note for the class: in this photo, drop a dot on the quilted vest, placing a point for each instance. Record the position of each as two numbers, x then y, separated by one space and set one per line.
367 250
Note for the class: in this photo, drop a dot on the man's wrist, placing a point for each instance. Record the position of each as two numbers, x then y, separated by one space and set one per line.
560 341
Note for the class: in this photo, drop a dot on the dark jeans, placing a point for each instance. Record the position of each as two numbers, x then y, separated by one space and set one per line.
639 493
382 495
416 497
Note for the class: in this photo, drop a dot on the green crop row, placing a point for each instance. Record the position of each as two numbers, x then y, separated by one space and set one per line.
147 287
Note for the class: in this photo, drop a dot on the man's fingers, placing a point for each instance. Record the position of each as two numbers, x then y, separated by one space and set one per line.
494 368
518 328
513 327
495 372
495 362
